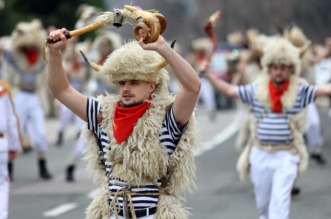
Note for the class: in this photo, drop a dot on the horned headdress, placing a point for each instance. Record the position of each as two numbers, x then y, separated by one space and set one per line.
132 62
281 51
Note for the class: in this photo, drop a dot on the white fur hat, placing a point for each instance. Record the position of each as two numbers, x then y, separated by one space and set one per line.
281 51
132 62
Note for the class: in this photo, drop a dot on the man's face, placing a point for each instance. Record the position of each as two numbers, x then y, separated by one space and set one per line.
135 92
280 73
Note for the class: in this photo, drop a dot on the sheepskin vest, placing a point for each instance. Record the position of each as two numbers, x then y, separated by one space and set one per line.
297 125
141 159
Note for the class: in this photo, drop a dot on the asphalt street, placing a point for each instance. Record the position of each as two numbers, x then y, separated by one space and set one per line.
219 194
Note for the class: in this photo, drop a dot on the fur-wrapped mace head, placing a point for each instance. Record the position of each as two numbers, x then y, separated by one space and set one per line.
132 62
281 51
29 34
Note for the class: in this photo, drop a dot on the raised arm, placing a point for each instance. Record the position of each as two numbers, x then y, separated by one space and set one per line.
187 96
220 85
57 79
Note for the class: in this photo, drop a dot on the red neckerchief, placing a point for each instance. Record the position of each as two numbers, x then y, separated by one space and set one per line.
126 118
31 54
276 94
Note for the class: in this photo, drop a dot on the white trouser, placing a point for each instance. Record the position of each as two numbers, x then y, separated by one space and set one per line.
314 134
120 217
78 149
4 185
207 94
67 116
273 176
31 115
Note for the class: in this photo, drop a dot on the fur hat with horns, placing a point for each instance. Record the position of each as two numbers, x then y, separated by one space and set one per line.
132 62
281 51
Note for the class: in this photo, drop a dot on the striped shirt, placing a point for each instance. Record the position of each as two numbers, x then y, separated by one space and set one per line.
169 138
273 128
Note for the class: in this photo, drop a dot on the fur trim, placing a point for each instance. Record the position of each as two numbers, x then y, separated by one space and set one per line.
169 207
243 161
298 141
141 159
182 160
289 97
281 51
99 207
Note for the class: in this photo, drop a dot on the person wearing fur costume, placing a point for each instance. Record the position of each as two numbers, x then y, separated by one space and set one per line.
141 141
24 69
276 153
313 133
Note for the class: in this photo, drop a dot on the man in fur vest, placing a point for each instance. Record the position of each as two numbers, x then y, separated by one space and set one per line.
276 152
141 141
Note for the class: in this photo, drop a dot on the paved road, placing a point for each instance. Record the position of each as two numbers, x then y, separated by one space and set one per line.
220 194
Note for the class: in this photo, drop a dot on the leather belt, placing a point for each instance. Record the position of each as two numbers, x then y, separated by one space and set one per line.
140 213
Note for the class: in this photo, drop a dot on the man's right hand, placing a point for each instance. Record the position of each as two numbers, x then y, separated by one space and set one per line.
56 35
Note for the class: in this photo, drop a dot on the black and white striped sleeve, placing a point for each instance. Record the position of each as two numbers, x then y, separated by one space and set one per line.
171 133
92 111
307 94
246 93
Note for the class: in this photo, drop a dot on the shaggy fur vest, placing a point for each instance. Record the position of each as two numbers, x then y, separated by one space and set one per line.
141 159
297 125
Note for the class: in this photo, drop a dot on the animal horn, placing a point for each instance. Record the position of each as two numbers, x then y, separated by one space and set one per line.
163 22
93 65
304 49
164 63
